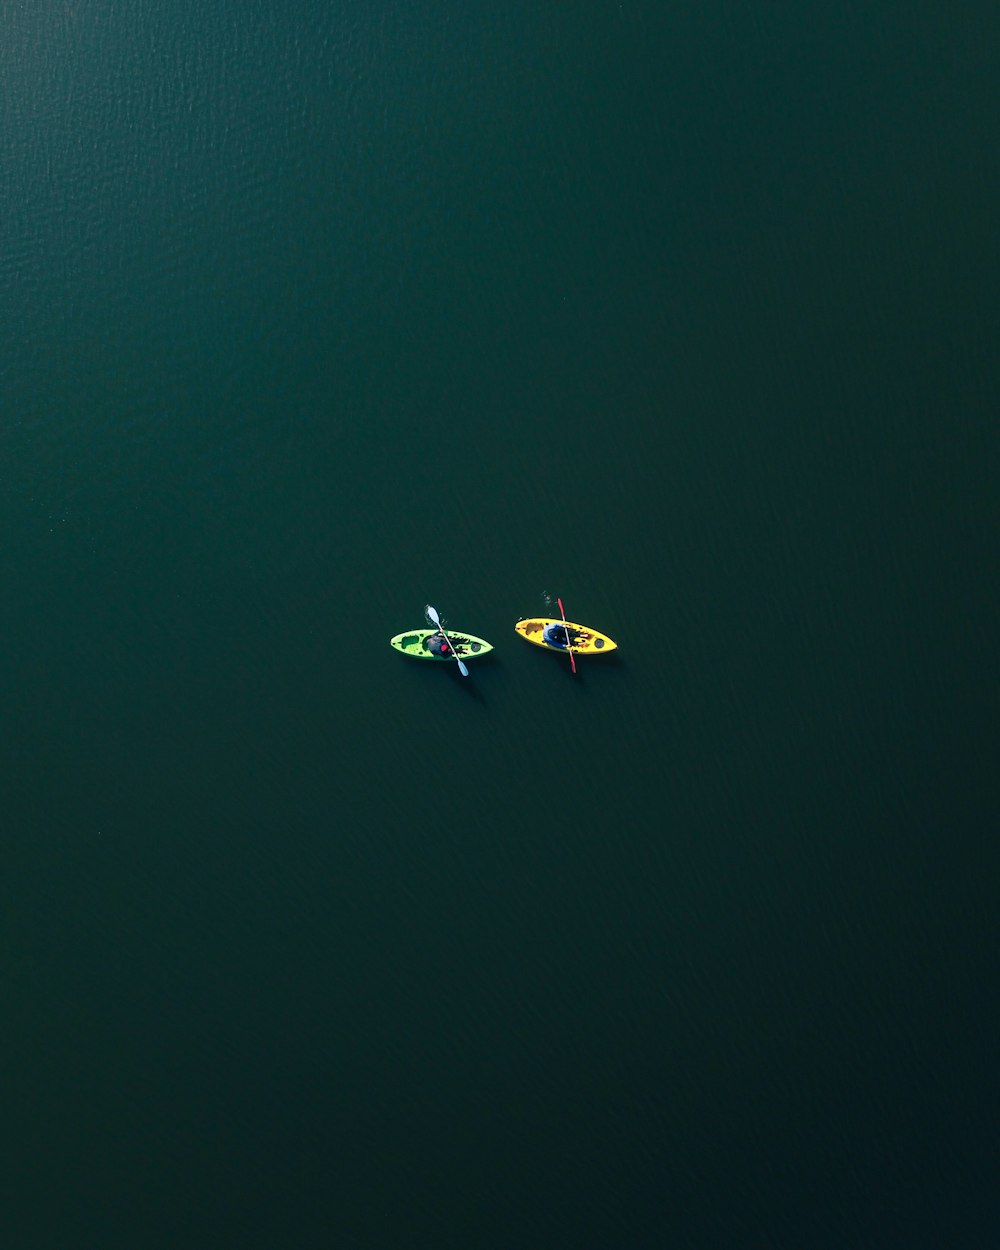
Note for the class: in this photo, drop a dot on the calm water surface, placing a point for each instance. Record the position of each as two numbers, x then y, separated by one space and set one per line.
314 312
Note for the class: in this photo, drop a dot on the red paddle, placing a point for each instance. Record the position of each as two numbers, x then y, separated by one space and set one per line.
569 645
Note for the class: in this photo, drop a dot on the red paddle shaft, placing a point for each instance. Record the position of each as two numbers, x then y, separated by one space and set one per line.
569 645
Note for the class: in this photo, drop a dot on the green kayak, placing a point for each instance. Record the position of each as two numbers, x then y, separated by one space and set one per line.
428 644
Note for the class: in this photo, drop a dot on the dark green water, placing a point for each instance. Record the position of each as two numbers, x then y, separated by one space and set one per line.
314 312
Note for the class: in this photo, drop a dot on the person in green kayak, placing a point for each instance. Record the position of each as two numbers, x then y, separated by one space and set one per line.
557 635
437 644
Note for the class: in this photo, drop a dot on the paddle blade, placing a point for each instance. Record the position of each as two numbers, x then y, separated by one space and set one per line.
433 617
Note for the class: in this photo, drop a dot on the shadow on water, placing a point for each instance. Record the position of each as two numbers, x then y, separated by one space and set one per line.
468 684
559 660
588 668
433 677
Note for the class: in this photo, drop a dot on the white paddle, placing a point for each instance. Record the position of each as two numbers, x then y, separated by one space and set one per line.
432 614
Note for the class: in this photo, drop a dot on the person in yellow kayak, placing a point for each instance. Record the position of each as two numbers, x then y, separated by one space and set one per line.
557 635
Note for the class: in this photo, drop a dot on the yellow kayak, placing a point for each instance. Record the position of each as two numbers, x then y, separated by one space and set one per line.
547 632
